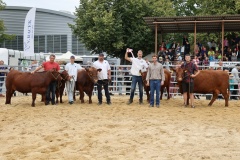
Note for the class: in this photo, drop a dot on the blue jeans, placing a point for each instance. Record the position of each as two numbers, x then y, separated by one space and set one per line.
155 85
51 89
135 80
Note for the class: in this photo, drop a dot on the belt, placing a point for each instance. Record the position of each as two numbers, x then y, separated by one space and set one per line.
155 79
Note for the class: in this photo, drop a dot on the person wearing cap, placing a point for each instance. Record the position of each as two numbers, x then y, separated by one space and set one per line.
138 65
47 66
72 68
103 78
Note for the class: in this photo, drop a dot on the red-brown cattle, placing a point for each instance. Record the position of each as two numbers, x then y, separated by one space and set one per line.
208 81
61 86
85 82
165 85
25 82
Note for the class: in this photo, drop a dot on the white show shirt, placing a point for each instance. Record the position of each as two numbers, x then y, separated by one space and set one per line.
104 66
137 65
72 69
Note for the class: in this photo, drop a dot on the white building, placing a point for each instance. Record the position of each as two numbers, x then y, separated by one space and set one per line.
52 33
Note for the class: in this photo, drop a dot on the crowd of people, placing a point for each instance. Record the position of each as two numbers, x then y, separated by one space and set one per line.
171 51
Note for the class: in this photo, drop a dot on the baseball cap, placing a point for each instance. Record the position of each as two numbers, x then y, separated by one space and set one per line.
72 57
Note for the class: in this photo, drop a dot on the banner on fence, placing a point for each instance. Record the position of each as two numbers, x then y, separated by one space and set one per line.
225 64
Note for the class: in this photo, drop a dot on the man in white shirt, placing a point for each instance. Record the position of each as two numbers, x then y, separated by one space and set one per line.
72 69
138 65
103 78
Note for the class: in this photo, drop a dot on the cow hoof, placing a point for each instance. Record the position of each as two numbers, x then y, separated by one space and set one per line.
33 105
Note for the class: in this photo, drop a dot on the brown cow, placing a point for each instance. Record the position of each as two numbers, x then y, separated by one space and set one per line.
165 85
208 81
85 82
61 86
26 82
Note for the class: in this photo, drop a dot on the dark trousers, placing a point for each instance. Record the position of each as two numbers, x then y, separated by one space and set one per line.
51 90
235 92
103 83
1 84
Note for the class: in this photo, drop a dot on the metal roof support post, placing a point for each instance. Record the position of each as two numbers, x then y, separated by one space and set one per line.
222 38
195 37
156 32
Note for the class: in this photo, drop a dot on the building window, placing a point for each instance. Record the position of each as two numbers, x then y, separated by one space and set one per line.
50 44
36 44
63 43
41 44
78 48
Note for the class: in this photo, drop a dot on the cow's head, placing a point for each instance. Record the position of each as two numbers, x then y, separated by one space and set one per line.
64 75
56 75
144 76
179 73
93 74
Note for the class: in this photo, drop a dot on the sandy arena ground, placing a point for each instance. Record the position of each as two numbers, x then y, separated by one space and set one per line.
119 131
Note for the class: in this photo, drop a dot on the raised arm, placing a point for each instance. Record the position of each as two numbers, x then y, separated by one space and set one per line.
126 56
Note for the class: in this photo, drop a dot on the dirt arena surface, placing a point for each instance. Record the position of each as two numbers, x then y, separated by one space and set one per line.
119 131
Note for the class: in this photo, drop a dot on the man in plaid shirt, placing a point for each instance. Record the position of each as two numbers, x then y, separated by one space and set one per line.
187 83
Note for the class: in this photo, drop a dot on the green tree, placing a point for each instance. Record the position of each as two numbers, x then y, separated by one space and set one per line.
3 36
114 25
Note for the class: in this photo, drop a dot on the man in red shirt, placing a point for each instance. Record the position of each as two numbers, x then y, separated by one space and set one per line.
50 65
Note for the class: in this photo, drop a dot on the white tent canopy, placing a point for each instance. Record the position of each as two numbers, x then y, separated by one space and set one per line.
66 57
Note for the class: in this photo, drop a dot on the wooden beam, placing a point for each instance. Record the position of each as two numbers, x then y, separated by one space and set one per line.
195 37
222 38
212 21
156 32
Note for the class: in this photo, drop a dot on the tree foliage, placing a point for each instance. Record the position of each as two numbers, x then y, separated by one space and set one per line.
114 25
3 36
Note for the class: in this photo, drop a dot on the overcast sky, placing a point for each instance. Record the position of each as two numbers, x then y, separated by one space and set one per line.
67 5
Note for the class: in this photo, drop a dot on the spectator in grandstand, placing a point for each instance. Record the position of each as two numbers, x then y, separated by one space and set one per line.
187 48
147 61
225 43
167 64
220 66
160 60
179 57
211 55
185 40
229 54
33 66
234 55
205 63
196 60
231 84
235 40
196 50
